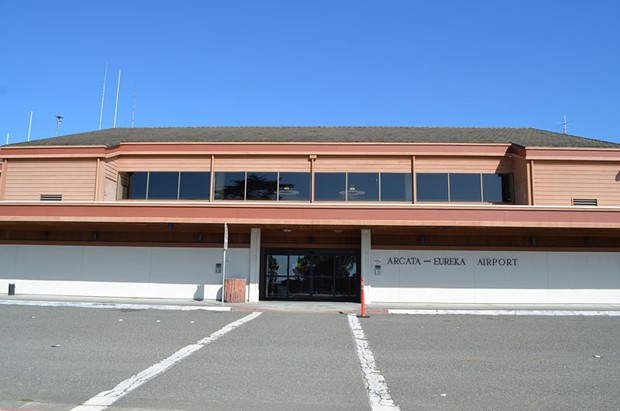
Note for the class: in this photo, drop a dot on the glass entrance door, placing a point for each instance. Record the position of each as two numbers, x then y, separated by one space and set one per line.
311 275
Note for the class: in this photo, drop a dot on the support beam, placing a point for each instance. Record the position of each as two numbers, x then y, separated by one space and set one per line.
366 263
254 265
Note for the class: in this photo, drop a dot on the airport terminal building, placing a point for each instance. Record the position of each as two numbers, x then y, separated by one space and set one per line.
422 214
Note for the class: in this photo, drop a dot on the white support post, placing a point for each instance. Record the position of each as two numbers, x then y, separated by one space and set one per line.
366 264
253 284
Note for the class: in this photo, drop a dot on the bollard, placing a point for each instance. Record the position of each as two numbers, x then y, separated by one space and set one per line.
363 313
11 289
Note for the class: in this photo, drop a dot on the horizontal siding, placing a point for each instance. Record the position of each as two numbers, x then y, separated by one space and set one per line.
164 163
521 183
28 179
557 183
262 163
111 169
462 165
363 164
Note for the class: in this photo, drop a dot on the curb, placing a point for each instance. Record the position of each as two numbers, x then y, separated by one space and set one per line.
548 313
114 306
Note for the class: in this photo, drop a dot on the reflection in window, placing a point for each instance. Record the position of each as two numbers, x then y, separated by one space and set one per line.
330 186
497 188
432 186
261 186
194 185
396 187
294 186
133 185
465 187
229 185
163 185
362 187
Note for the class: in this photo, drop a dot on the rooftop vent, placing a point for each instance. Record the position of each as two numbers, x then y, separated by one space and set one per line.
51 197
585 202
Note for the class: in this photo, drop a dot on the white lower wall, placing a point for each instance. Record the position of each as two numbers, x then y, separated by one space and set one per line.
148 272
494 277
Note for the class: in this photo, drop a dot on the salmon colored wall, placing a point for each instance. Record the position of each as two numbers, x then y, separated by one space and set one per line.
75 179
262 163
558 182
463 165
163 163
358 164
521 181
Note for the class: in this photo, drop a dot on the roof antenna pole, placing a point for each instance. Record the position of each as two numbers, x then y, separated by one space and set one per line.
118 87
105 77
564 124
7 137
30 126
58 121
133 109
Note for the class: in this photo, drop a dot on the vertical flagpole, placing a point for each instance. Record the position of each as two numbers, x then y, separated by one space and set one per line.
105 77
30 126
224 259
118 87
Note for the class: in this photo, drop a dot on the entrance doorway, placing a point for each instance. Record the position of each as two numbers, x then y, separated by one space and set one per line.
310 275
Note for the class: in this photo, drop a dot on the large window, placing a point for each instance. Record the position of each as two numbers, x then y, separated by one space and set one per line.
164 185
464 187
294 186
265 186
362 187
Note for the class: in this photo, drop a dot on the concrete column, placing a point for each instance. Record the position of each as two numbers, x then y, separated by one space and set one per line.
253 286
366 265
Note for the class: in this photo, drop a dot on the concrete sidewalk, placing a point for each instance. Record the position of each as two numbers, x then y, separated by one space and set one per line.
314 306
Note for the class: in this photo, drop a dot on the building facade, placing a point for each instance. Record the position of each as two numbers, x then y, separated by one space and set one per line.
471 215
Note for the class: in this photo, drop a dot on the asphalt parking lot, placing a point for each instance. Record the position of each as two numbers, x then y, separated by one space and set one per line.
60 358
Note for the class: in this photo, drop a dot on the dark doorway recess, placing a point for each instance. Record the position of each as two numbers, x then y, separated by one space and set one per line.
302 274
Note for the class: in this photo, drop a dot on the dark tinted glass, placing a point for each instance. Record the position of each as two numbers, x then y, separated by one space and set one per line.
363 187
163 185
396 187
262 186
137 186
230 185
194 186
465 187
294 186
432 187
329 186
492 188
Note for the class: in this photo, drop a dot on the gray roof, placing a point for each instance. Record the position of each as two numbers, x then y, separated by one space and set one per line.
526 137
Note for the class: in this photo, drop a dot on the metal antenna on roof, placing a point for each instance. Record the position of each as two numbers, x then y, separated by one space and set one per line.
105 77
118 87
7 137
564 124
133 109
30 125
58 121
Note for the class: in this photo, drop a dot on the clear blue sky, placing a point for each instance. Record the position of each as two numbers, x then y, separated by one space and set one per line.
492 63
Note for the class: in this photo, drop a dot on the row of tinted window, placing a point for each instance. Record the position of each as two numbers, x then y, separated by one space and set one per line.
270 186
289 186
294 186
165 185
464 187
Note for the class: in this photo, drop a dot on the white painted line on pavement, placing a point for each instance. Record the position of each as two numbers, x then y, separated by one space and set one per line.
115 306
550 313
378 393
106 398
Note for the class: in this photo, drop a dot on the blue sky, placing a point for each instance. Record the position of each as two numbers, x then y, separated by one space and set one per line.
521 63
